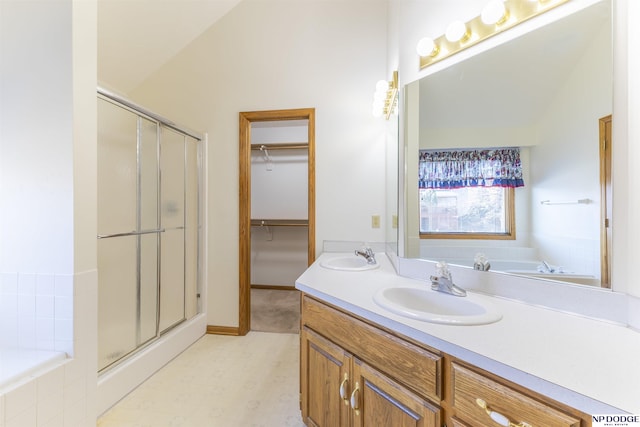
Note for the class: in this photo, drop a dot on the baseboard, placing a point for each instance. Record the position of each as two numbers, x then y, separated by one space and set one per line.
223 330
276 287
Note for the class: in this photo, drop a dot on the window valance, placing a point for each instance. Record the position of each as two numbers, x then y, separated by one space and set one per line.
446 169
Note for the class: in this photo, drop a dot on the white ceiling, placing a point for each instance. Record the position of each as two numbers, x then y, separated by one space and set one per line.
136 37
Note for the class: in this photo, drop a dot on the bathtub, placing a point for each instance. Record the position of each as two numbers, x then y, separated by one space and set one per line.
582 279
530 269
17 364
496 264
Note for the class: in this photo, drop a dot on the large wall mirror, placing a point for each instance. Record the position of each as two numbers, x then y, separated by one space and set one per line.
391 181
549 93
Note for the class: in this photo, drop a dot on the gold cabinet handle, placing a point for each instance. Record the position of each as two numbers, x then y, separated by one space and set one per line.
355 398
498 418
343 389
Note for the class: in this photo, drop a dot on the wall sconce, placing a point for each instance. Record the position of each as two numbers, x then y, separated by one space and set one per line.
496 17
385 98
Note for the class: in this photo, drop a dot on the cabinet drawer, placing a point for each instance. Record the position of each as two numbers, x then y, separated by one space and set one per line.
413 366
469 386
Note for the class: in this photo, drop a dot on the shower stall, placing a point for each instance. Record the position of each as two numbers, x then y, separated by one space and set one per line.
149 224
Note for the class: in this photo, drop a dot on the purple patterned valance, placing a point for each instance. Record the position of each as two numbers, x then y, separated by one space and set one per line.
445 169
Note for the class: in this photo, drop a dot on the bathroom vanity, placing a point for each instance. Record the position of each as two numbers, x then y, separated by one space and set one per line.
364 365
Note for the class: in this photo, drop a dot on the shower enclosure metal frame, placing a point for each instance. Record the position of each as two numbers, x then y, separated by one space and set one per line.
162 125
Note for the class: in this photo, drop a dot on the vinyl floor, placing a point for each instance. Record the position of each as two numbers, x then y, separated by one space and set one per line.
220 381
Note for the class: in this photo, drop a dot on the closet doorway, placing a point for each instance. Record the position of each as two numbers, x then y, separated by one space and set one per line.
277 201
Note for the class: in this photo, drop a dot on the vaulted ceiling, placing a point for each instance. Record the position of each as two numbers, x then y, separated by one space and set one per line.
136 37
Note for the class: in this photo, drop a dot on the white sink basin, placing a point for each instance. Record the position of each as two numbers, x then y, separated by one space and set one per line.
437 307
348 263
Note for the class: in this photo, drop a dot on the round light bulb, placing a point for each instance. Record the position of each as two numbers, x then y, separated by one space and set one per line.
427 47
380 95
494 12
382 86
456 31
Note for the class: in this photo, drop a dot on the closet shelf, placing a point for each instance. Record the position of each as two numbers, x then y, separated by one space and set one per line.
279 223
283 146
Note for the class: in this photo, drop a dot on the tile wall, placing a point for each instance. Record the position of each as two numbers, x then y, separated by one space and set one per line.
36 311
56 312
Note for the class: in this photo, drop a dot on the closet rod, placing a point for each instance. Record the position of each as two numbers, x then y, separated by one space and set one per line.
279 222
292 146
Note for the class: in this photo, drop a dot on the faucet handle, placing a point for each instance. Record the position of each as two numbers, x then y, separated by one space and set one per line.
442 270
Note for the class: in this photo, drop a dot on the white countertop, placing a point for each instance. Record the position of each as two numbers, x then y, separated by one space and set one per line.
591 365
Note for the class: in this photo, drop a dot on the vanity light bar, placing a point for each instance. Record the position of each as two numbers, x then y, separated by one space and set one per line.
386 97
496 17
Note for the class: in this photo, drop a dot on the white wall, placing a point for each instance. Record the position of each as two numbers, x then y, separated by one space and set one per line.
47 196
279 183
37 149
281 54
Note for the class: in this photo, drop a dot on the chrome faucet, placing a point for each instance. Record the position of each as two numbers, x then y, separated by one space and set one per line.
442 281
444 284
368 254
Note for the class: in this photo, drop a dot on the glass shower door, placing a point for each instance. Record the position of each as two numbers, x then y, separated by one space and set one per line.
172 217
148 228
148 241
127 231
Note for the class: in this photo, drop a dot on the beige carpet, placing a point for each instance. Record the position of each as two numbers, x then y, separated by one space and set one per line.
274 310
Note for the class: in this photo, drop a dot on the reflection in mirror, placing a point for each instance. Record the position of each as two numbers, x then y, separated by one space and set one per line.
547 92
391 190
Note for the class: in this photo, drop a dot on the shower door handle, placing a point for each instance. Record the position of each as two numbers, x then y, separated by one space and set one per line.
180 227
131 233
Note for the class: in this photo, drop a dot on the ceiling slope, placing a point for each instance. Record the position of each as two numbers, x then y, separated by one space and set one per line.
137 37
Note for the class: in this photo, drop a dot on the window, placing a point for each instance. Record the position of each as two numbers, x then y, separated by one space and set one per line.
468 194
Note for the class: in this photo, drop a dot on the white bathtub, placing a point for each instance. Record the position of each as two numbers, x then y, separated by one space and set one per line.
530 269
582 279
16 364
496 264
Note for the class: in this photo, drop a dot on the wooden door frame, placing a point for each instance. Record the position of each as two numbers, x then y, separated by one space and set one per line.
246 119
606 145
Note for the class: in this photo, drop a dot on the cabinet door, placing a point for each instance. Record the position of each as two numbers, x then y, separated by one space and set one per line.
378 401
324 381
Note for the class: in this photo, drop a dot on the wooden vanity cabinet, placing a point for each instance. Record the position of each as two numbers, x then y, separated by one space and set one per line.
341 390
354 374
